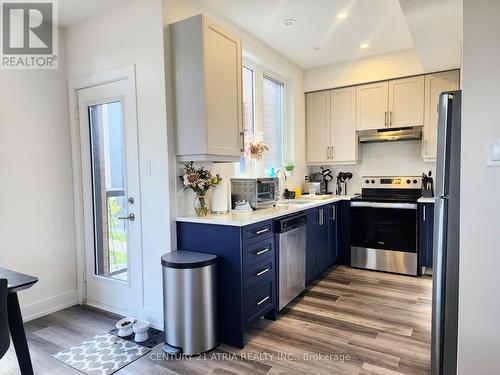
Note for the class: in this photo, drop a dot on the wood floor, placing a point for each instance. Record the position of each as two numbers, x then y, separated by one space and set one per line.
349 322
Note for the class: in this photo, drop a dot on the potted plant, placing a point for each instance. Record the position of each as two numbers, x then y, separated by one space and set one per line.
199 180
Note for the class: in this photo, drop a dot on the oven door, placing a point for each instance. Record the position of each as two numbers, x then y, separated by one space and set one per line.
266 192
384 236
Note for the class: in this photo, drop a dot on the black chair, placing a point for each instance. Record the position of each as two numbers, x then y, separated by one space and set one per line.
4 325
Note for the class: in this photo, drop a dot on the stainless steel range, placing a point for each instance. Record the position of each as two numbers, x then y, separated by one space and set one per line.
384 224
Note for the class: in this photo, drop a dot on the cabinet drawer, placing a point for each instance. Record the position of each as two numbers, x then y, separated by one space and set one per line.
260 272
257 232
259 300
258 251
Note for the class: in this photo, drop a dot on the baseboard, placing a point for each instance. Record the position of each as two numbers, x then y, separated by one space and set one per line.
152 316
49 305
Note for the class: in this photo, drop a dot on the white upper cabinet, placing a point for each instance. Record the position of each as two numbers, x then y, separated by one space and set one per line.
343 139
207 71
435 84
331 127
406 102
318 127
371 107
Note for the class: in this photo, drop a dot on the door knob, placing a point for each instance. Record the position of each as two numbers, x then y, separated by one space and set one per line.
130 217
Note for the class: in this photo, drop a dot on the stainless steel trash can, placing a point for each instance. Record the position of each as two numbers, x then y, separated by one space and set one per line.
190 301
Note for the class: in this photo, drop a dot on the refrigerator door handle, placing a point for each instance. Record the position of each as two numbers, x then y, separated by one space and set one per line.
443 148
439 277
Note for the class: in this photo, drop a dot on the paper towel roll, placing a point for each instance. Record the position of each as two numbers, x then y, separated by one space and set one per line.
219 197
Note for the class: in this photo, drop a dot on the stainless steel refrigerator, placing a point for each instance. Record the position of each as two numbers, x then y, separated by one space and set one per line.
446 236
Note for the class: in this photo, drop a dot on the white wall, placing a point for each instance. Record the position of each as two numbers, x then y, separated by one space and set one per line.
36 225
259 53
373 68
479 306
132 33
384 159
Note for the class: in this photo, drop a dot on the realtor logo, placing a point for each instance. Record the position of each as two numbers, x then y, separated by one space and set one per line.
29 34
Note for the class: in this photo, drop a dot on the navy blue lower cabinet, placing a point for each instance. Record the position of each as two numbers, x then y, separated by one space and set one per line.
246 272
312 245
344 232
426 234
322 240
333 231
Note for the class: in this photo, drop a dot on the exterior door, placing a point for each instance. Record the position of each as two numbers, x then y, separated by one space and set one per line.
371 106
318 127
111 201
406 102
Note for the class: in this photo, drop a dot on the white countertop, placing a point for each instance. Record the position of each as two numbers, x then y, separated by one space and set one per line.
281 209
426 200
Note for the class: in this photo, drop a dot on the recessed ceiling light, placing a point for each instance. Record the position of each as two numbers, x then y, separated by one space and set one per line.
341 15
317 48
288 22
364 45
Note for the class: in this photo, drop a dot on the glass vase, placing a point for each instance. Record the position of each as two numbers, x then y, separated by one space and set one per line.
201 205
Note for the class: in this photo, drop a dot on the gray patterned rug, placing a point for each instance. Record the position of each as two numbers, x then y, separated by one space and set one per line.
101 355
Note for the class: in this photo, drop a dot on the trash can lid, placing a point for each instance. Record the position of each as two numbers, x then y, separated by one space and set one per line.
187 259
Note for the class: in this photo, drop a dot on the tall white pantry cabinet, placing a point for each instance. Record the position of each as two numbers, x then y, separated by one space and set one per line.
207 84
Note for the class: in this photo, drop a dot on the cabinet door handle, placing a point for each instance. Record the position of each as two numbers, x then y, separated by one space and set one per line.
320 213
390 118
262 301
262 272
262 231
262 251
424 216
385 118
328 152
334 212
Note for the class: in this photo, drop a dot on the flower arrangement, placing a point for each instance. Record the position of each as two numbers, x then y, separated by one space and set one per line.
199 180
255 148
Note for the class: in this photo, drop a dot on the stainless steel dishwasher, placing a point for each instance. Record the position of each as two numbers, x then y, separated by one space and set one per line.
291 257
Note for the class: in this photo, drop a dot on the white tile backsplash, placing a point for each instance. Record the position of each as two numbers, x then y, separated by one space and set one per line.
386 159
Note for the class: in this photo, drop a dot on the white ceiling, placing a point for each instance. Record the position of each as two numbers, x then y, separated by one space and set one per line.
72 11
436 29
381 23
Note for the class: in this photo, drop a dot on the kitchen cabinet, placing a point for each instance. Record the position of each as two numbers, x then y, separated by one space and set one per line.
343 138
322 240
426 234
406 102
397 103
371 105
318 127
246 272
331 127
435 84
207 85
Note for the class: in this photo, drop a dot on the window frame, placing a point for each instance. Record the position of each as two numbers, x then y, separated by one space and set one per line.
259 73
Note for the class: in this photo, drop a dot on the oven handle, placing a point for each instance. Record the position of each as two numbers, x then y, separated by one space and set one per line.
404 206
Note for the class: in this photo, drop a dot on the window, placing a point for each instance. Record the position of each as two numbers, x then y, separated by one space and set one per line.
263 115
248 101
272 94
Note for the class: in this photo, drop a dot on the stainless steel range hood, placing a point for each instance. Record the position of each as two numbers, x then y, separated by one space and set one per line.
390 135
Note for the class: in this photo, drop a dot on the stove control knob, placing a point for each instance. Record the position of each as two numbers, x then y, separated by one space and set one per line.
373 181
408 181
415 181
367 181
